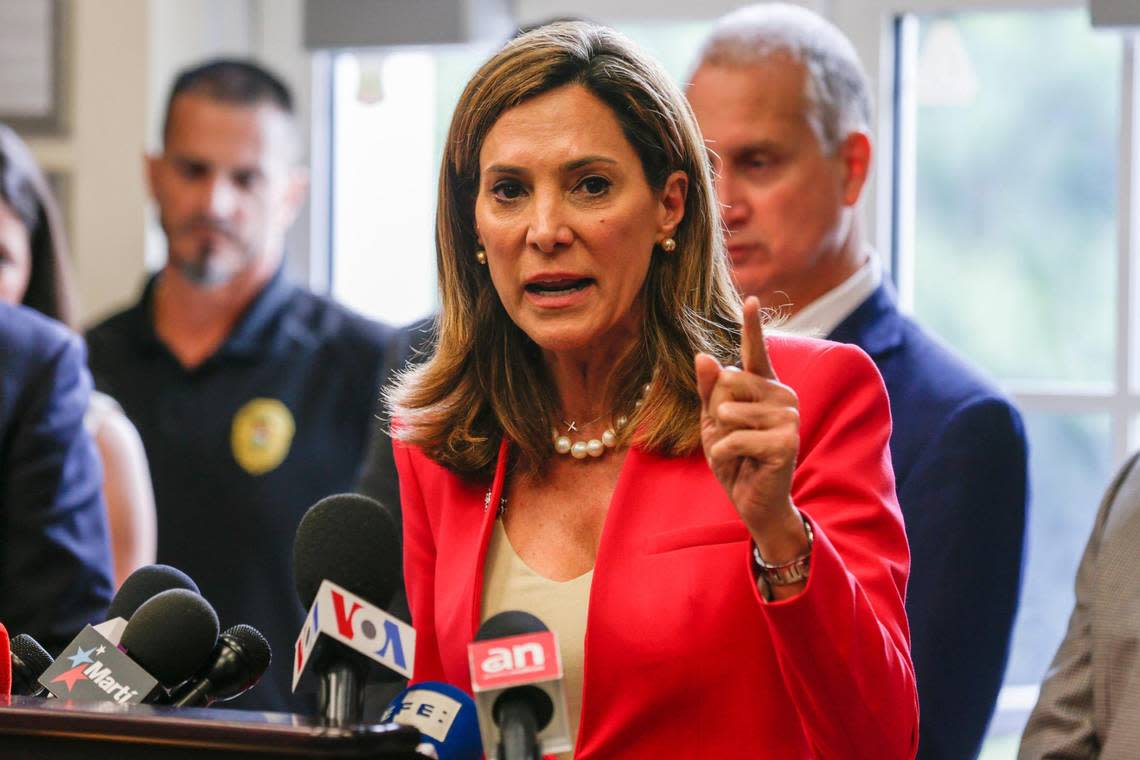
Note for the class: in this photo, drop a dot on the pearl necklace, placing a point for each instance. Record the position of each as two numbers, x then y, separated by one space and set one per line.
593 447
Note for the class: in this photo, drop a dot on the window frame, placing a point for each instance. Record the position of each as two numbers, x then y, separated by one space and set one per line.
873 27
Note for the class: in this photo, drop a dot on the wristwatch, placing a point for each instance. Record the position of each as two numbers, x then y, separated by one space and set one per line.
785 573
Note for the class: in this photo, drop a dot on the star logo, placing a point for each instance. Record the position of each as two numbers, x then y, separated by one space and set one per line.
70 677
101 649
81 656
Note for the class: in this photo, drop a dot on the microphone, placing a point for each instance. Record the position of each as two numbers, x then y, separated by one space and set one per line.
5 664
238 661
166 640
29 660
444 715
516 673
171 634
140 586
346 564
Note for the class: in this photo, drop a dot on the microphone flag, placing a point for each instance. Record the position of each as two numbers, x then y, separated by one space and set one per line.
5 664
444 715
529 659
92 669
112 629
340 615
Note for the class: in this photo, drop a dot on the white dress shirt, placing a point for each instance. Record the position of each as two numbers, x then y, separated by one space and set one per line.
820 317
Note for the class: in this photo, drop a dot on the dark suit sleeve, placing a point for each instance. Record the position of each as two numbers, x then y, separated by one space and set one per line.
1061 724
56 570
965 499
378 478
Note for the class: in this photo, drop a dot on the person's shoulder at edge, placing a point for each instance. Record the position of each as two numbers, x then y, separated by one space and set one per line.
27 333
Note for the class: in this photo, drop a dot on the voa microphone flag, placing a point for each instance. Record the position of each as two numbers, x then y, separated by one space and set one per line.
342 616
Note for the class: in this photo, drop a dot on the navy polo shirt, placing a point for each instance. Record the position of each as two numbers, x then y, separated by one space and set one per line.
240 446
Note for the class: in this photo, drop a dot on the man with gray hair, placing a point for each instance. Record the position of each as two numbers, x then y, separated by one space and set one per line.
785 108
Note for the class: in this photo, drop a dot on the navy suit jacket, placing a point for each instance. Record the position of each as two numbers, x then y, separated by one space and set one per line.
55 557
959 454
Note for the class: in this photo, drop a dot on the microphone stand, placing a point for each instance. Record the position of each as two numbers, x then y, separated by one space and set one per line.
342 693
518 738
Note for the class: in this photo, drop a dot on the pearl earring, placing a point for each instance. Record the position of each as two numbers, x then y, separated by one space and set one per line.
481 256
668 245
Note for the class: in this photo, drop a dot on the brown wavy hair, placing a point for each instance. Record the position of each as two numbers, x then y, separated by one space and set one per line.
486 378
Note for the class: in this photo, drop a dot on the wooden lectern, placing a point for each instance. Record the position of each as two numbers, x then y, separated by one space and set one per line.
32 729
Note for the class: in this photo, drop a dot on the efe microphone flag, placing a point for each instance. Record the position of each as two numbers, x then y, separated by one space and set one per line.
444 715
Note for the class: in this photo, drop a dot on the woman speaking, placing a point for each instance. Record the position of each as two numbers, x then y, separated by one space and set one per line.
604 437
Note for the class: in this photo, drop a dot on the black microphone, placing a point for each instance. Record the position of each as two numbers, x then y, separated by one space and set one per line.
350 540
346 564
140 586
238 661
171 634
29 661
167 638
143 584
516 672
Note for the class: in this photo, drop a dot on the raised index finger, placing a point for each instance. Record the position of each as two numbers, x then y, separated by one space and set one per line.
753 352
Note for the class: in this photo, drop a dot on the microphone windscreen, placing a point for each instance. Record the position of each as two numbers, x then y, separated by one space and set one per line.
171 635
29 660
143 584
350 540
5 663
34 656
253 646
509 623
444 715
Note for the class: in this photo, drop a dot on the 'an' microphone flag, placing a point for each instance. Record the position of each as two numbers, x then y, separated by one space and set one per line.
514 673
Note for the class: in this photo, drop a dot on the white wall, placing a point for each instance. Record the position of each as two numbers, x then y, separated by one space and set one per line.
107 74
121 57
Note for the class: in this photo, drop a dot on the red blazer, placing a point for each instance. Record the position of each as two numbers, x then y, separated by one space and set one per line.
683 656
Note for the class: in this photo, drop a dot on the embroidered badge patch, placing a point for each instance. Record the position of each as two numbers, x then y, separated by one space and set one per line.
261 435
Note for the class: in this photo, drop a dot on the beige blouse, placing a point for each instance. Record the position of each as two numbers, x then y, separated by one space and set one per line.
510 584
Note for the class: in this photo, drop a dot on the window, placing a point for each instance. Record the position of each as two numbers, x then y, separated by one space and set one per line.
390 114
1009 168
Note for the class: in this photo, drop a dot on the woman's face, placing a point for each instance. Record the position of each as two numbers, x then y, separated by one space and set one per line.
15 256
569 221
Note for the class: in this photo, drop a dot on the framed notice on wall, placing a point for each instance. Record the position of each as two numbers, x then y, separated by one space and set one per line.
31 66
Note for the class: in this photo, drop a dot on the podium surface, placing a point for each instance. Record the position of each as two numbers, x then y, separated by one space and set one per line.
31 727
